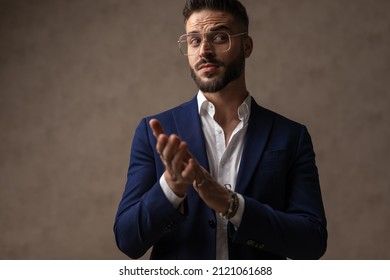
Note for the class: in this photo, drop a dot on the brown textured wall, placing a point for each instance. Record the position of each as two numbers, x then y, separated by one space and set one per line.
77 76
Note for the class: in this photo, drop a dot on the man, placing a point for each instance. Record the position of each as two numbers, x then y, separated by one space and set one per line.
220 177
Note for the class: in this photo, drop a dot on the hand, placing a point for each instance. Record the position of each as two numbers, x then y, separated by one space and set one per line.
211 192
179 166
182 170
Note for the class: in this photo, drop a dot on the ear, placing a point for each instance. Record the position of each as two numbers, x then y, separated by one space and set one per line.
248 46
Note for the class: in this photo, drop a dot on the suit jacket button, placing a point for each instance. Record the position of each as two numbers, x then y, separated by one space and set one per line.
169 227
255 244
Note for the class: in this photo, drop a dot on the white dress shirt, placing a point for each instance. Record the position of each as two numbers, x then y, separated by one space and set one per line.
224 161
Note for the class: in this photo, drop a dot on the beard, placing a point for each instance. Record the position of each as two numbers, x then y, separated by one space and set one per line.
232 72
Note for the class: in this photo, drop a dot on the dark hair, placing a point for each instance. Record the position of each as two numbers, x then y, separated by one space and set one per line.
233 7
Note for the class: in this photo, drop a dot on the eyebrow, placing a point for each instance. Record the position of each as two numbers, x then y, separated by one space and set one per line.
214 28
221 27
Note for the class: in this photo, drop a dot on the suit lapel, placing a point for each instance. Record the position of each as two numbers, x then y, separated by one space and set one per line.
190 130
259 128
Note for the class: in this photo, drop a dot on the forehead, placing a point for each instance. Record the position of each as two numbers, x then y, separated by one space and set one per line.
205 20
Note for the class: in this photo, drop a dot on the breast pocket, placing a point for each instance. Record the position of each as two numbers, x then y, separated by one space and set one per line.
272 176
274 161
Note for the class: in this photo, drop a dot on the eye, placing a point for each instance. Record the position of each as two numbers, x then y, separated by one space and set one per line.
220 38
194 41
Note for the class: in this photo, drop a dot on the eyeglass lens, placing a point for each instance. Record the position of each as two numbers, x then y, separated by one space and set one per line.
219 41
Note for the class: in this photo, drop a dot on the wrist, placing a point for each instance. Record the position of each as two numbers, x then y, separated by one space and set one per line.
232 207
174 199
178 189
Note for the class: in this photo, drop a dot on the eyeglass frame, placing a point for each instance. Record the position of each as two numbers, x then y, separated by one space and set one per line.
203 40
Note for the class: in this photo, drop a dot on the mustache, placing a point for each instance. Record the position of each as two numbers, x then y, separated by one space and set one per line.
208 61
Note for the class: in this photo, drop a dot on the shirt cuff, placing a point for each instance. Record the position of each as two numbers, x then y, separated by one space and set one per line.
175 200
236 220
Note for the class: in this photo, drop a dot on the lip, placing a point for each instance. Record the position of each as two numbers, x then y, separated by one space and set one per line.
207 67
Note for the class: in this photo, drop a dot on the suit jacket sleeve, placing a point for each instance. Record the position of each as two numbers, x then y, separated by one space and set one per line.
144 214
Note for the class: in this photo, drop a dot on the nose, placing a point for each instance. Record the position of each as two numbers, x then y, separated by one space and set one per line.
205 48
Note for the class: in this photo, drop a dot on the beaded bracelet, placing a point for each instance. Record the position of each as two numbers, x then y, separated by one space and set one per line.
233 206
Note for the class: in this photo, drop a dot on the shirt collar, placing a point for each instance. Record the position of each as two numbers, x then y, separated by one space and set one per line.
206 106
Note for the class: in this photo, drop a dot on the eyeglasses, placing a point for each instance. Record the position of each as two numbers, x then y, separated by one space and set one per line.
218 41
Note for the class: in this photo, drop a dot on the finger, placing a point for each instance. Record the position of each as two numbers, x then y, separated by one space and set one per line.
171 147
158 130
167 147
189 171
178 163
162 141
156 127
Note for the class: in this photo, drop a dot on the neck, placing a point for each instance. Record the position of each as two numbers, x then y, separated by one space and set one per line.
227 101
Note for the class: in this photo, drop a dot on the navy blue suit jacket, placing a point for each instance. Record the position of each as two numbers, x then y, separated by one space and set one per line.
278 178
